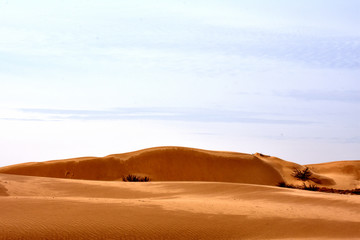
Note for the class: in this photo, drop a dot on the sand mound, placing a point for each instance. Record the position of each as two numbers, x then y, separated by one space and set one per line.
189 164
286 169
345 173
50 208
160 164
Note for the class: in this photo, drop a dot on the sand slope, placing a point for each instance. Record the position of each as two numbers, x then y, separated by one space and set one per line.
346 174
189 164
339 175
160 164
50 208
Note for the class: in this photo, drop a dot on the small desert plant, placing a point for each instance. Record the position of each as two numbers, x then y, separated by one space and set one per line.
355 191
311 187
284 184
134 178
302 175
281 184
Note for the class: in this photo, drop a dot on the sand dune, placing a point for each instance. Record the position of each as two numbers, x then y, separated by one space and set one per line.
50 208
194 194
345 173
189 164
341 175
160 164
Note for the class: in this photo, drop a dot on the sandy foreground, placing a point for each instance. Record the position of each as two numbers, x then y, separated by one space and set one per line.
35 207
49 208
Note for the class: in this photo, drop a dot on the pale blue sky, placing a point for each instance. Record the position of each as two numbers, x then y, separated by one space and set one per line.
100 77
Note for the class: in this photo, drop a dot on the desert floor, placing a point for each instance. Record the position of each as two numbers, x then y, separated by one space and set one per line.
50 208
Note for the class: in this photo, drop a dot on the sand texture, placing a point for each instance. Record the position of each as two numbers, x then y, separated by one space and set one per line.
194 194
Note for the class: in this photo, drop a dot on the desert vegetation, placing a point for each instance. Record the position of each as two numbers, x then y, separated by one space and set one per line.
134 178
313 187
302 175
305 176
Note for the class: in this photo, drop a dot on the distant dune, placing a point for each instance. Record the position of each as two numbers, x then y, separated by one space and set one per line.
194 194
189 164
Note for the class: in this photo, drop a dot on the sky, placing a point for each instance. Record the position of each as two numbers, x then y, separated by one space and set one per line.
98 77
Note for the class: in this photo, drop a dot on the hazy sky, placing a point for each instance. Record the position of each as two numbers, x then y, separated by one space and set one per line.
97 77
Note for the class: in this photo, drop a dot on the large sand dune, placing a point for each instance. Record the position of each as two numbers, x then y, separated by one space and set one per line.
189 164
194 194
